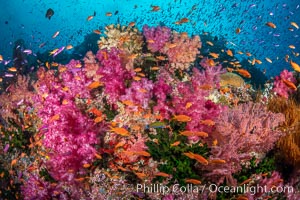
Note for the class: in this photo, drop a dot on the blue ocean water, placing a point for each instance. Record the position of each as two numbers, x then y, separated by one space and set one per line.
25 19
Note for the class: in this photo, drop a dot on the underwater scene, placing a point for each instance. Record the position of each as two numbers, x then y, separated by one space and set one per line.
171 100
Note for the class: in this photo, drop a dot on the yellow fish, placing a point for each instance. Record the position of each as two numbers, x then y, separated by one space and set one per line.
53 52
295 25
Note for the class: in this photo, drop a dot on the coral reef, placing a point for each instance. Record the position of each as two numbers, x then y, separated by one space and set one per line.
147 109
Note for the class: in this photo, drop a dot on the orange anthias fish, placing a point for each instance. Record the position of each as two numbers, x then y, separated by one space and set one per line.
12 69
94 85
270 24
108 14
55 118
289 84
183 20
187 133
217 161
214 55
96 112
201 134
120 131
237 31
131 24
68 47
182 118
193 181
139 153
128 103
155 8
162 174
175 144
207 122
197 157
97 31
86 165
98 156
89 18
13 162
242 198
292 46
138 69
229 52
295 66
244 73
188 105
211 62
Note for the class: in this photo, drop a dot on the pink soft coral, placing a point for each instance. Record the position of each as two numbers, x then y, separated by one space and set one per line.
156 37
182 50
195 94
113 74
140 93
64 127
280 88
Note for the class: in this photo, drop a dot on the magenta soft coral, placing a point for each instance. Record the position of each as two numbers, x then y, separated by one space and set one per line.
195 94
113 74
64 127
140 92
156 37
280 88
160 91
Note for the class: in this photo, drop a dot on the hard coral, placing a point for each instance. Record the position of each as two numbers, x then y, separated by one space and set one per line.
127 39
